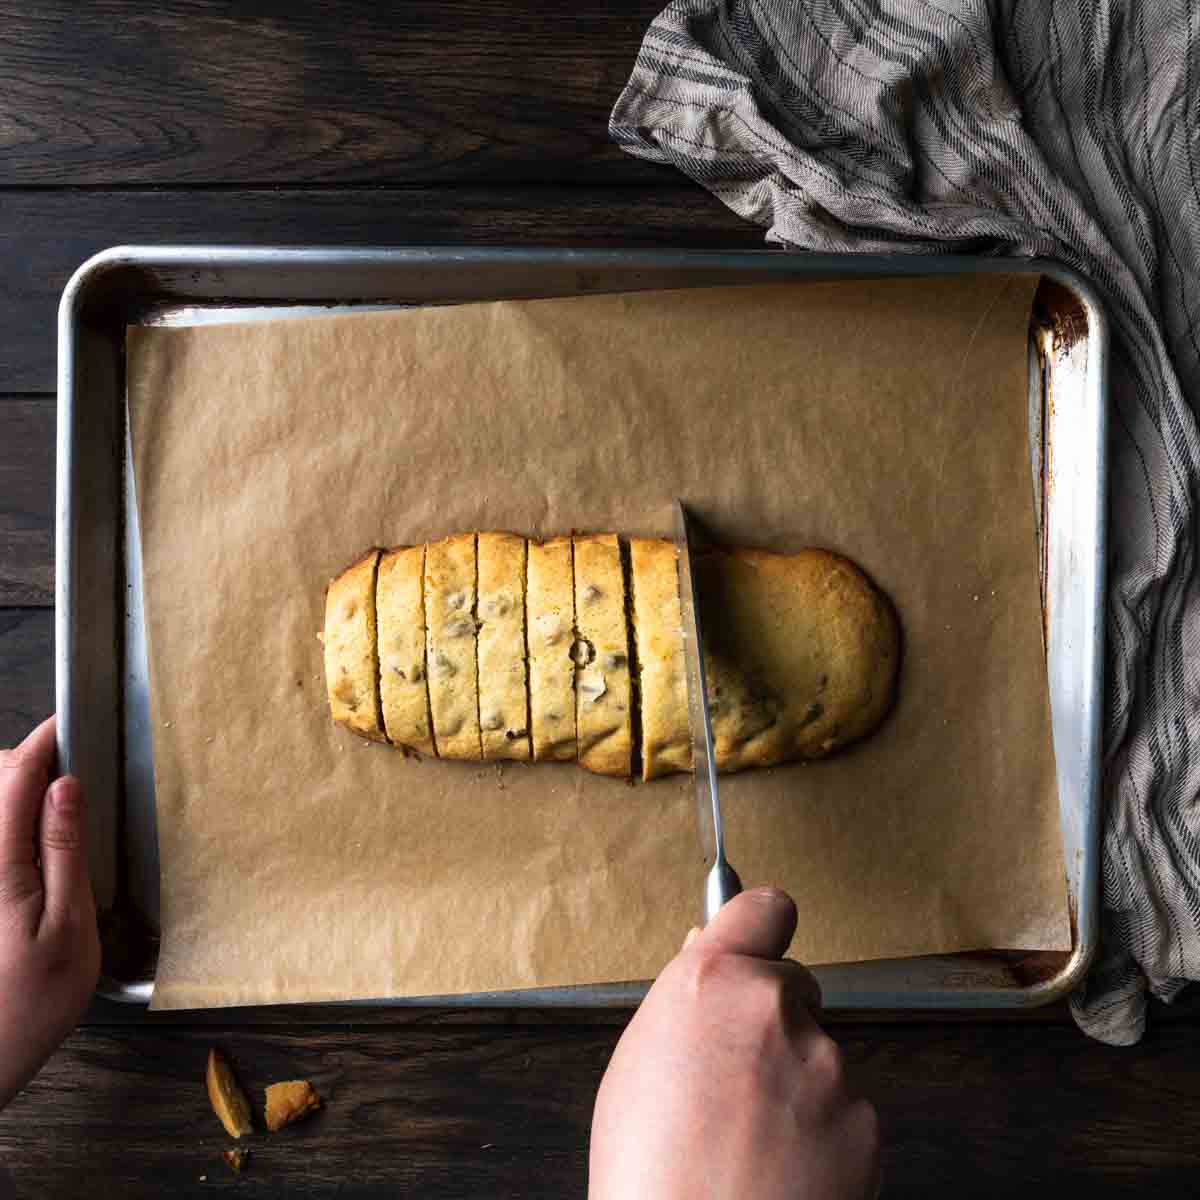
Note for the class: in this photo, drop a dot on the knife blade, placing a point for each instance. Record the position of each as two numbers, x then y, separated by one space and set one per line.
721 883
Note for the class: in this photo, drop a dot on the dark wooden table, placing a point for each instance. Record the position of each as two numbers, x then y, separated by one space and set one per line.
483 123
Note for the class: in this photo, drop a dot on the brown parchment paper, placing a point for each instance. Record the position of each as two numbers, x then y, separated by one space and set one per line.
885 420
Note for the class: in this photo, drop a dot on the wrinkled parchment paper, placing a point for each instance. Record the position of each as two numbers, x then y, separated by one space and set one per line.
886 420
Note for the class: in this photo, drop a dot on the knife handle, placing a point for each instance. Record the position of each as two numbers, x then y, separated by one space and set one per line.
720 886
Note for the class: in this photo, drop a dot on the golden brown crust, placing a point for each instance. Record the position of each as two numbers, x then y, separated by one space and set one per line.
602 687
289 1101
503 698
450 645
802 654
400 626
351 677
226 1097
662 675
550 621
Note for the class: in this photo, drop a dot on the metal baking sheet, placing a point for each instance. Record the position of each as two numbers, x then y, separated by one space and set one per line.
101 681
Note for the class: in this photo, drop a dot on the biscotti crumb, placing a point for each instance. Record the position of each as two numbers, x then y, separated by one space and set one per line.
287 1102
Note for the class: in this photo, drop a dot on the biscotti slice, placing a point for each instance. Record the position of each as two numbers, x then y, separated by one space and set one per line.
450 645
503 700
662 674
602 689
550 625
801 655
350 654
400 618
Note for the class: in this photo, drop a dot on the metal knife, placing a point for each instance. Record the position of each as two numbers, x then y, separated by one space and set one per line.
721 883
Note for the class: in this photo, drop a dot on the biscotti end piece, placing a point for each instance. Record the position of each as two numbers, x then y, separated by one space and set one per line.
503 700
350 653
226 1096
450 645
602 687
400 621
802 654
550 623
662 674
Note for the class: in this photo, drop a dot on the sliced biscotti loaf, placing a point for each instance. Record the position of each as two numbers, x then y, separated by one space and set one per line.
351 677
802 652
450 654
603 705
503 698
550 621
400 622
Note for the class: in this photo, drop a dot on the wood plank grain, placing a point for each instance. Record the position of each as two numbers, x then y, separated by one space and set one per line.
26 502
110 92
44 236
474 1112
464 1113
26 670
1010 1111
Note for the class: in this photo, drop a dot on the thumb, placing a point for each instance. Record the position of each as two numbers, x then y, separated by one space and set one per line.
62 843
759 923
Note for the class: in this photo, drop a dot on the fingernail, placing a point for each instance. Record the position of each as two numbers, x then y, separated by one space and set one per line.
67 797
769 895
692 935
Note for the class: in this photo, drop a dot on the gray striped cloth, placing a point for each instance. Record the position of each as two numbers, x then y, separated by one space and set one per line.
1015 128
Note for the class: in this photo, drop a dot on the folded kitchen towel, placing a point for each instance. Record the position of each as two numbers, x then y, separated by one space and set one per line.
1010 128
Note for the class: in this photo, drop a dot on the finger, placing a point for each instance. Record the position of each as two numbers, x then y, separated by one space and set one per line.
759 923
24 774
62 842
802 987
800 992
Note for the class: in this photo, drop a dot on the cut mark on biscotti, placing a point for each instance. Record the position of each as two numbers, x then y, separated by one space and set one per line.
631 658
373 639
574 639
425 654
525 643
474 630
378 653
